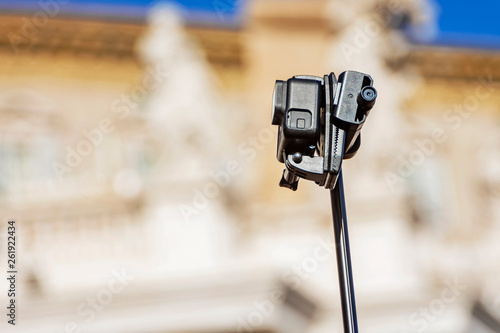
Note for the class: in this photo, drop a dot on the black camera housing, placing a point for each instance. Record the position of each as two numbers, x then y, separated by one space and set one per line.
319 121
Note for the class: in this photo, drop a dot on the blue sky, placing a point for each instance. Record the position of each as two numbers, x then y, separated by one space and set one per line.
463 23
469 22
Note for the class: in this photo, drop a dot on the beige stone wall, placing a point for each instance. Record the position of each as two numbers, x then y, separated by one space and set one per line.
120 207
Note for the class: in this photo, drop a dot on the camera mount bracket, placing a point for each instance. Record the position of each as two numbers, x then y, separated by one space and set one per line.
319 121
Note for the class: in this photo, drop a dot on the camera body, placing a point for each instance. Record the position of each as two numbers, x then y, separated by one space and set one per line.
319 122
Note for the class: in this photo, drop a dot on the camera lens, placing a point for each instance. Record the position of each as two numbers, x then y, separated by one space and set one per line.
278 103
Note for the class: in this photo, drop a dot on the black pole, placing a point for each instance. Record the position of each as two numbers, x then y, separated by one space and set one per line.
346 282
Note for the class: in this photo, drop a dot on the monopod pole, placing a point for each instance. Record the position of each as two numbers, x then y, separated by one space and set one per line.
346 283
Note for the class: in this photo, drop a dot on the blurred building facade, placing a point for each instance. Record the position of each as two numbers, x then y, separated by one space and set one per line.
139 162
